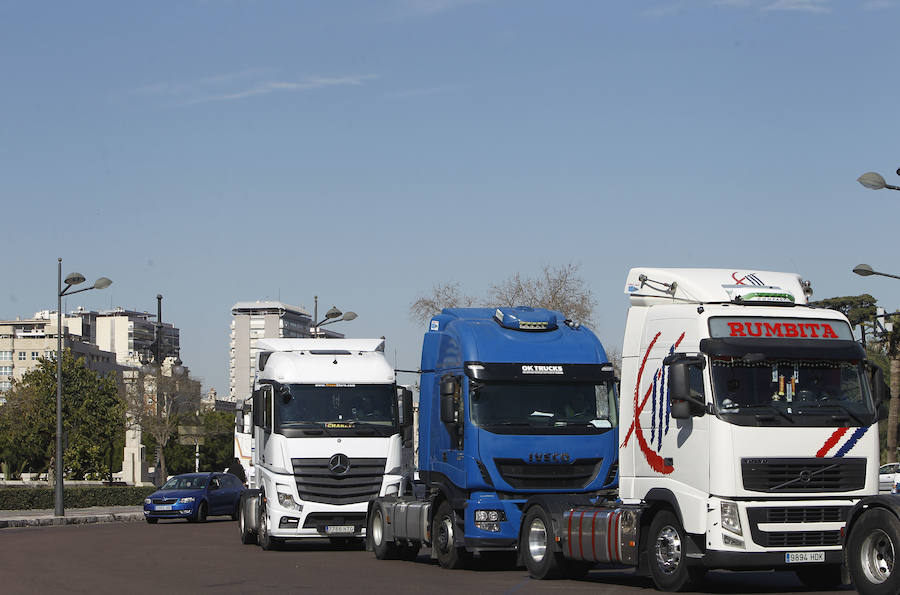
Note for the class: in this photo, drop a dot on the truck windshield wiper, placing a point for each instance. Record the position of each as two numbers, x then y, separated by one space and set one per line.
837 404
769 407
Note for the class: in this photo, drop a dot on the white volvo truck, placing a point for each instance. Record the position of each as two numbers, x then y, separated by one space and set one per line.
327 429
748 430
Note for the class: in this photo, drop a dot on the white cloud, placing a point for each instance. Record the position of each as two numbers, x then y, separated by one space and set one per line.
243 84
814 6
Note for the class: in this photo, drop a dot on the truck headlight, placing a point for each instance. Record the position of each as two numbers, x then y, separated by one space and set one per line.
287 501
731 520
489 520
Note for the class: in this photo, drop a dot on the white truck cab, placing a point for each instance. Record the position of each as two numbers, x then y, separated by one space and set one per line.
326 439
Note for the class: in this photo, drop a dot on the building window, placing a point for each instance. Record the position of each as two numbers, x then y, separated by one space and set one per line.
49 354
5 371
6 356
35 355
21 356
4 386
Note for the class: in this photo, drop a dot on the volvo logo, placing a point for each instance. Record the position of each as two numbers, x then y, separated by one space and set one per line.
805 476
339 464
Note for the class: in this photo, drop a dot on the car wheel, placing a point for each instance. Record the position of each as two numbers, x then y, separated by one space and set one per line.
237 511
200 515
872 547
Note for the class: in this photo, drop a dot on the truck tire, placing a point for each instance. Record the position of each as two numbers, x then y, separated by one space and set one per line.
536 545
247 536
872 547
264 537
667 555
443 530
384 550
820 576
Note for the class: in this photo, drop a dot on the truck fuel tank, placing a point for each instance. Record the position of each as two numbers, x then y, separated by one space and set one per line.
601 534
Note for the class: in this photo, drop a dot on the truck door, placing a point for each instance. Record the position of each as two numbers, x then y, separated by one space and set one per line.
451 449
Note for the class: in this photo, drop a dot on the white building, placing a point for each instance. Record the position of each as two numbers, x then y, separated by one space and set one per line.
257 320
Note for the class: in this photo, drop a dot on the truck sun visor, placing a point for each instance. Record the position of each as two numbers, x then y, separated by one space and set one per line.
841 349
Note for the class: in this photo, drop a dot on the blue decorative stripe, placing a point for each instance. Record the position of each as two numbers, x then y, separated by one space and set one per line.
854 438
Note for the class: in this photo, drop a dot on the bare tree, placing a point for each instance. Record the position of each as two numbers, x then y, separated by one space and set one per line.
556 288
154 402
445 295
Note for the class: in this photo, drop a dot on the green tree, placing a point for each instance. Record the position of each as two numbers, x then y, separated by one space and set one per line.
859 309
93 419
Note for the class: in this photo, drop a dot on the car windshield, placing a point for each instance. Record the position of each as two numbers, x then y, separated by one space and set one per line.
190 482
573 408
795 390
330 406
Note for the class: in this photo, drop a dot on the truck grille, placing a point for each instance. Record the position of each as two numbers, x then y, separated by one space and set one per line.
317 483
537 476
798 515
803 475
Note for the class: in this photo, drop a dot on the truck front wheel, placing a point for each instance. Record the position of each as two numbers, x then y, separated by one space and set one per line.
443 531
667 551
384 550
537 545
872 546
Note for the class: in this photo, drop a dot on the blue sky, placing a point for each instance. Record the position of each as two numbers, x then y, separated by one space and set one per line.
218 151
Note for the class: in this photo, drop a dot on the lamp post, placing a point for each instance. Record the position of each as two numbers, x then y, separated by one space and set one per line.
331 316
152 359
72 279
875 181
865 270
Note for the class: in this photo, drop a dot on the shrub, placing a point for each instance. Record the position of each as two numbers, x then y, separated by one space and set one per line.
26 498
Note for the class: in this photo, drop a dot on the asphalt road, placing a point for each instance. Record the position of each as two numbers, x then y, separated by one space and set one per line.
177 557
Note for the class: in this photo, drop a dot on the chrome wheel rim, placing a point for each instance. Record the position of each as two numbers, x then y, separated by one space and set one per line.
668 549
377 528
877 556
445 534
537 540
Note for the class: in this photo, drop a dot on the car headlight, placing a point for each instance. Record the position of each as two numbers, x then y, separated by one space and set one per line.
731 520
287 501
148 501
187 500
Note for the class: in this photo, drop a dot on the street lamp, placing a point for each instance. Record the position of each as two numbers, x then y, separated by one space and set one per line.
864 270
72 279
331 316
875 181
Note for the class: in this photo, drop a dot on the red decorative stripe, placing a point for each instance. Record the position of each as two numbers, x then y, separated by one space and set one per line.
832 440
570 533
609 545
618 540
593 536
580 535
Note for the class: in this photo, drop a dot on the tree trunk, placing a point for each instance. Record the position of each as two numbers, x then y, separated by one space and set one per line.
160 475
894 409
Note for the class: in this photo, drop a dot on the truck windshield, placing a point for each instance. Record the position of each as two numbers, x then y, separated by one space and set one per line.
536 408
806 392
342 410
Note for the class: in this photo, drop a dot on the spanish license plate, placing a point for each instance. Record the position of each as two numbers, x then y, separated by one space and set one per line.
804 557
332 529
163 507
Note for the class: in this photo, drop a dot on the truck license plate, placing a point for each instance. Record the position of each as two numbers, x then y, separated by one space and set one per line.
339 529
803 557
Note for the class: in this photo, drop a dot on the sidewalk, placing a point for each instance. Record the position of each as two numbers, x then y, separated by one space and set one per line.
73 516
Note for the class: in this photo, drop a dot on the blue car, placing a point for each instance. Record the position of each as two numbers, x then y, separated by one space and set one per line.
194 496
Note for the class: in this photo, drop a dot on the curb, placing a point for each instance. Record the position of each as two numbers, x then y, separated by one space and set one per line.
121 517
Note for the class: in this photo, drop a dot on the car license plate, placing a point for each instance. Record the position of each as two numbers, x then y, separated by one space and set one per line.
340 529
163 507
803 557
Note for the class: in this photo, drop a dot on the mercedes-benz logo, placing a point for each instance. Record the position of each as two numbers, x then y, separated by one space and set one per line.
339 464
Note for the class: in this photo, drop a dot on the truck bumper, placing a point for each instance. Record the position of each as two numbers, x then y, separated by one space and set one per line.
760 560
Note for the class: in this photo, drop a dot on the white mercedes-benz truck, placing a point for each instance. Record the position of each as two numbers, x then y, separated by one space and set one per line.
327 436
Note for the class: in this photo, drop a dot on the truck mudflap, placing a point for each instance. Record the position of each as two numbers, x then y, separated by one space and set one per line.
601 534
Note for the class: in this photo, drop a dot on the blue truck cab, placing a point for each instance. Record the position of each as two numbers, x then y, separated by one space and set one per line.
513 403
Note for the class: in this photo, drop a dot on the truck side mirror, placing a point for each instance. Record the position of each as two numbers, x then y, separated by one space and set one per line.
258 419
876 378
406 413
448 404
685 402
